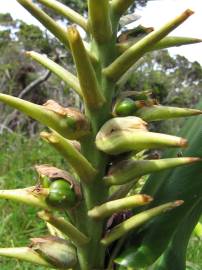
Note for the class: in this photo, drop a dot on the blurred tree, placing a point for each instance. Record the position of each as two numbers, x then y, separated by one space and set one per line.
81 6
21 77
173 80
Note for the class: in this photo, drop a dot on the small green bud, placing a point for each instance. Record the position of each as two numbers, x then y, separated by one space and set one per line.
58 252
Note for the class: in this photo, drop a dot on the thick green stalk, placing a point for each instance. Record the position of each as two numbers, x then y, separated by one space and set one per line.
79 163
99 20
115 70
62 73
93 255
65 227
46 20
67 12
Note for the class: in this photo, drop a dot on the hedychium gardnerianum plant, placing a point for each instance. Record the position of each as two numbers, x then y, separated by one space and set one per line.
100 144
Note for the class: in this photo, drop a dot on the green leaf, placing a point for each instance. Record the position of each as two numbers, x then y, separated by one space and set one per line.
174 257
182 184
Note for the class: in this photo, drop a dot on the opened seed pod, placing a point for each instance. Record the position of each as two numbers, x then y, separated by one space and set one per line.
57 251
64 191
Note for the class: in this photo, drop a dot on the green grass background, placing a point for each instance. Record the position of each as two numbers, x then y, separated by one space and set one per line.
18 223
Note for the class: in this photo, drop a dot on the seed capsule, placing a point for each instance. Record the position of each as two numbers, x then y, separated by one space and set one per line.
64 191
59 252
125 134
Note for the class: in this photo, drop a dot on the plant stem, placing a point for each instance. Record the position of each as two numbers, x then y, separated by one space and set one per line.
99 20
92 256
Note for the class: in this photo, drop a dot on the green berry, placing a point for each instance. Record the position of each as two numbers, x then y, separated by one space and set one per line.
61 194
125 107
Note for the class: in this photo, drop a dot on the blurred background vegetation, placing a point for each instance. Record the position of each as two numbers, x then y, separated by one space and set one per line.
173 80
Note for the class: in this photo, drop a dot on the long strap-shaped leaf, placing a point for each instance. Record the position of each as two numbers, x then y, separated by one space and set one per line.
174 257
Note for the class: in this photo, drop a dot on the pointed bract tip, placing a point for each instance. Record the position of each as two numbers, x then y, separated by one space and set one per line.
147 198
73 33
197 112
195 159
183 143
178 203
28 53
44 215
44 134
49 137
189 12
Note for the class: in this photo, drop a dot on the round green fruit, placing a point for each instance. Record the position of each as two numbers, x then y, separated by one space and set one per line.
126 107
61 194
